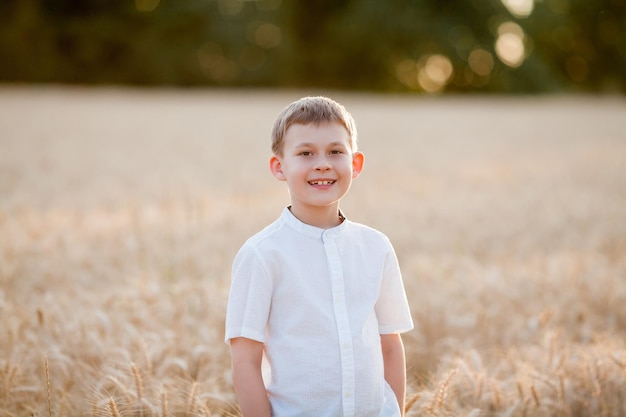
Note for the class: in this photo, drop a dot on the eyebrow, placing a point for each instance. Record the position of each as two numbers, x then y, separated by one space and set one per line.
310 144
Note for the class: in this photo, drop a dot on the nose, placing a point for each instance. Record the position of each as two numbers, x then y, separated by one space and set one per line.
322 164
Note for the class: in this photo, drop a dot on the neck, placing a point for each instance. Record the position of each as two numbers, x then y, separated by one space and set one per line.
322 217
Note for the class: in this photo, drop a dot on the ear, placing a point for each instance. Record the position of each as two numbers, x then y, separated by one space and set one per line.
358 159
276 167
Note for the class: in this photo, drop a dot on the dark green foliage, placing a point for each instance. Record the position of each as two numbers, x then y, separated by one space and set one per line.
571 45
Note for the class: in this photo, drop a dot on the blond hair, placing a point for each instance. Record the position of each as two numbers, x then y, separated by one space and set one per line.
312 110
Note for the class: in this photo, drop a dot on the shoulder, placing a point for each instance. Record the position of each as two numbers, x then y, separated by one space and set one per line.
367 234
365 230
251 261
265 240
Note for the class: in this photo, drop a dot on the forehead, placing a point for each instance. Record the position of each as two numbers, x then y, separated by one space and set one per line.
323 133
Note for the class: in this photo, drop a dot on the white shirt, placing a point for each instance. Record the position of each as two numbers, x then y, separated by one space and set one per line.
319 300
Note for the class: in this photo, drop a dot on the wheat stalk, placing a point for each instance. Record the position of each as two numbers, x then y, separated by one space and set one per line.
191 409
520 391
122 388
138 387
535 396
164 403
113 408
48 386
478 388
442 392
138 381
40 317
9 372
409 404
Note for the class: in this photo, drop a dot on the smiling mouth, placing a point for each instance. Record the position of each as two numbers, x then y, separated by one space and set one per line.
322 182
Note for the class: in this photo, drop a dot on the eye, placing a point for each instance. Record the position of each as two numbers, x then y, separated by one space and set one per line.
336 152
305 153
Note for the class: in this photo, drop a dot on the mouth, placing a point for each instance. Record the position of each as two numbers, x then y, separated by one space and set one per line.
322 182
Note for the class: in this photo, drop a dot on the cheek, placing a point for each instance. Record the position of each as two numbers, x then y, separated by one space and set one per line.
295 170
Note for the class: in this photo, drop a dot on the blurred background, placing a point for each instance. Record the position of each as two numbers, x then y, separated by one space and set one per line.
422 46
121 208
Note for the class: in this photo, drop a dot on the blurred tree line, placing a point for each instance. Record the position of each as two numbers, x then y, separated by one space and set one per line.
429 46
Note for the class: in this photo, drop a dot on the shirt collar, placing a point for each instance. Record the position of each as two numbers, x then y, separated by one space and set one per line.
312 231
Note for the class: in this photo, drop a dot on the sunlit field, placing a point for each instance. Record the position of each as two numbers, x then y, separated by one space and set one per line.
121 211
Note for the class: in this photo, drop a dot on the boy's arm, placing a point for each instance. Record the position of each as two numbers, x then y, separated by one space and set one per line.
246 367
395 365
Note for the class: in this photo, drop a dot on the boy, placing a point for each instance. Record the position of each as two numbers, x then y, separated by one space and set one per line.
317 297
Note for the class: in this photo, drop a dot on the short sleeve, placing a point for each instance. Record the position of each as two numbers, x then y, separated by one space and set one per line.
392 307
250 296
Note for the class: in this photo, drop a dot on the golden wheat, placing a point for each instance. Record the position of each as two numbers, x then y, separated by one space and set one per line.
164 412
113 408
121 210
48 390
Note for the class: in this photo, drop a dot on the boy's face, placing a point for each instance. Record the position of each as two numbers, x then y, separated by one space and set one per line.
317 163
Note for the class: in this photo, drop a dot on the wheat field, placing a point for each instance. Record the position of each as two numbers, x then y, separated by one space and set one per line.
121 210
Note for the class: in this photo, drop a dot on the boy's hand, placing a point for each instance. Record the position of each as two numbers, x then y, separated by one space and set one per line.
246 366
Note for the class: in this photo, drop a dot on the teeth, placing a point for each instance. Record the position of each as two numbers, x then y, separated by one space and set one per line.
322 182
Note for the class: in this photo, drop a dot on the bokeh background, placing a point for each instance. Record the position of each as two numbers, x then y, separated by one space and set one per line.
134 138
431 46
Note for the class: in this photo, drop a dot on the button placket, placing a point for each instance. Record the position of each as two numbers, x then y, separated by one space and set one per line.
342 322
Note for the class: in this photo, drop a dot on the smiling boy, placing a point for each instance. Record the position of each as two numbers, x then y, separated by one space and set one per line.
317 296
